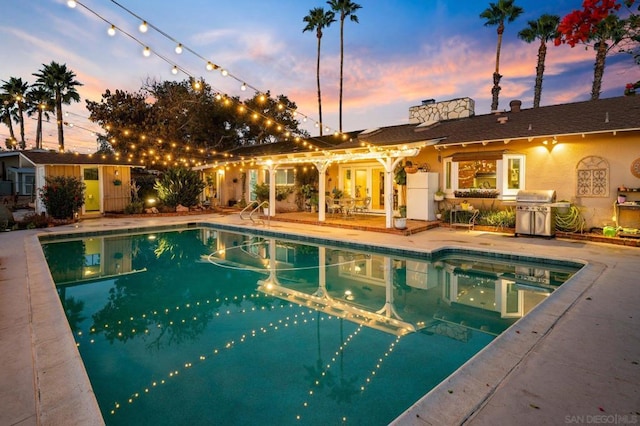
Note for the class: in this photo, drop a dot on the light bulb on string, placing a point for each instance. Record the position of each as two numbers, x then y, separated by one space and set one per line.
174 70
143 27
179 48
210 66
243 87
224 72
112 30
146 52
72 4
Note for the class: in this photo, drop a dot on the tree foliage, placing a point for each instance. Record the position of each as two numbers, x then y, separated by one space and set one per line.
317 20
167 123
344 8
14 99
544 29
598 24
496 15
61 83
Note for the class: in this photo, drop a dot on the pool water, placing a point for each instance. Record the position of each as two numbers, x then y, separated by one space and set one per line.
205 326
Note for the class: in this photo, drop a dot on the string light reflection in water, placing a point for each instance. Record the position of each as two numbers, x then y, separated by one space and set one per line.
203 326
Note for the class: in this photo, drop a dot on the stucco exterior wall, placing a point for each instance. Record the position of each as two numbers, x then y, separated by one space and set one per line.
556 168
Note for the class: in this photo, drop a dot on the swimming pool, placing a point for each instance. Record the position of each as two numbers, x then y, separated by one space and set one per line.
199 325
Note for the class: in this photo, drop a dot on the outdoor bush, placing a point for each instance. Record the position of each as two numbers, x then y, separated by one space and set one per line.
477 193
62 196
33 220
179 185
283 191
135 207
500 218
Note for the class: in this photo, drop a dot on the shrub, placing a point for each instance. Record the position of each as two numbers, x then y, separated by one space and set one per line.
135 207
62 196
499 218
477 193
283 191
33 220
261 191
179 185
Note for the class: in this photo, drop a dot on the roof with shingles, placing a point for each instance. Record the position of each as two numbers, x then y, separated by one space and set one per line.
620 113
328 142
57 158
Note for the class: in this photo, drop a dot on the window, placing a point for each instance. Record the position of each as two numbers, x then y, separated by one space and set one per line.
283 176
496 171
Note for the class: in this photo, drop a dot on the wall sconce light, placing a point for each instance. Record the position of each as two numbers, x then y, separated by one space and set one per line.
550 144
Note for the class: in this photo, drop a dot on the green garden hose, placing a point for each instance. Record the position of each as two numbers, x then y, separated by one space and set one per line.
572 221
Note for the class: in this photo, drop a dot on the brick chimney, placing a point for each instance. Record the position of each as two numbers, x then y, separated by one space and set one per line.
515 105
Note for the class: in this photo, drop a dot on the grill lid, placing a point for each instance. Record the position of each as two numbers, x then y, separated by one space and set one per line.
536 196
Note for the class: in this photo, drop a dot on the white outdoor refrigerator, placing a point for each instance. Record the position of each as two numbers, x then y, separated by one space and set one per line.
421 187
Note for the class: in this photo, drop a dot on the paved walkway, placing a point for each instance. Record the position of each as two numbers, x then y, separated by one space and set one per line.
574 359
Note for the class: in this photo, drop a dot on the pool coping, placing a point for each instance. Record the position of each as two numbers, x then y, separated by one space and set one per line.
57 359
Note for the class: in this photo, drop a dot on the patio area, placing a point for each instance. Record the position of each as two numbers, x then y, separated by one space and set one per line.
362 222
572 357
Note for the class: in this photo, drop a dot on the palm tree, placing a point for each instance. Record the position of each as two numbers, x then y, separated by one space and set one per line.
61 83
317 19
497 14
39 102
14 91
545 29
6 114
345 8
607 35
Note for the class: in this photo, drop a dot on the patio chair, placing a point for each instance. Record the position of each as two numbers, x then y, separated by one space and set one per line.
362 206
332 206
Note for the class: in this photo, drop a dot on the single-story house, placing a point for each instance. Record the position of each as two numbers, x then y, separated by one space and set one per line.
585 151
106 178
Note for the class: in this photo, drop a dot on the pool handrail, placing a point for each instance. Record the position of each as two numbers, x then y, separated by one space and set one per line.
257 207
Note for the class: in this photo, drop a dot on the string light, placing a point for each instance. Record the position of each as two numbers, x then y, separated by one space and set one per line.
243 87
146 52
112 30
225 72
179 48
174 70
71 3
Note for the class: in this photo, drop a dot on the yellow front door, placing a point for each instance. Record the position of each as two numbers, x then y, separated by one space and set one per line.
92 190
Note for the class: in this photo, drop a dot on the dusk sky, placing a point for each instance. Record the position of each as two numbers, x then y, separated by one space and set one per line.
400 53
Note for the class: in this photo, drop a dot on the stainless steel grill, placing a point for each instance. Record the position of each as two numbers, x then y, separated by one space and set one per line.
535 214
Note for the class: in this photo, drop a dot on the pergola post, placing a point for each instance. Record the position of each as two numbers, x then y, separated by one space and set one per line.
322 167
272 189
389 164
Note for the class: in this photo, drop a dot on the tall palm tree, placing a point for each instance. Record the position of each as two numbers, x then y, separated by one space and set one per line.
39 102
544 29
607 34
61 83
317 19
6 117
14 91
345 8
497 14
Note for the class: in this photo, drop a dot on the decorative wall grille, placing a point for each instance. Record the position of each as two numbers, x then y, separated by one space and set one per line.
592 177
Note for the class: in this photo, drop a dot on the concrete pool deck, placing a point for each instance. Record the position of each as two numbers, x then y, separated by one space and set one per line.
574 359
